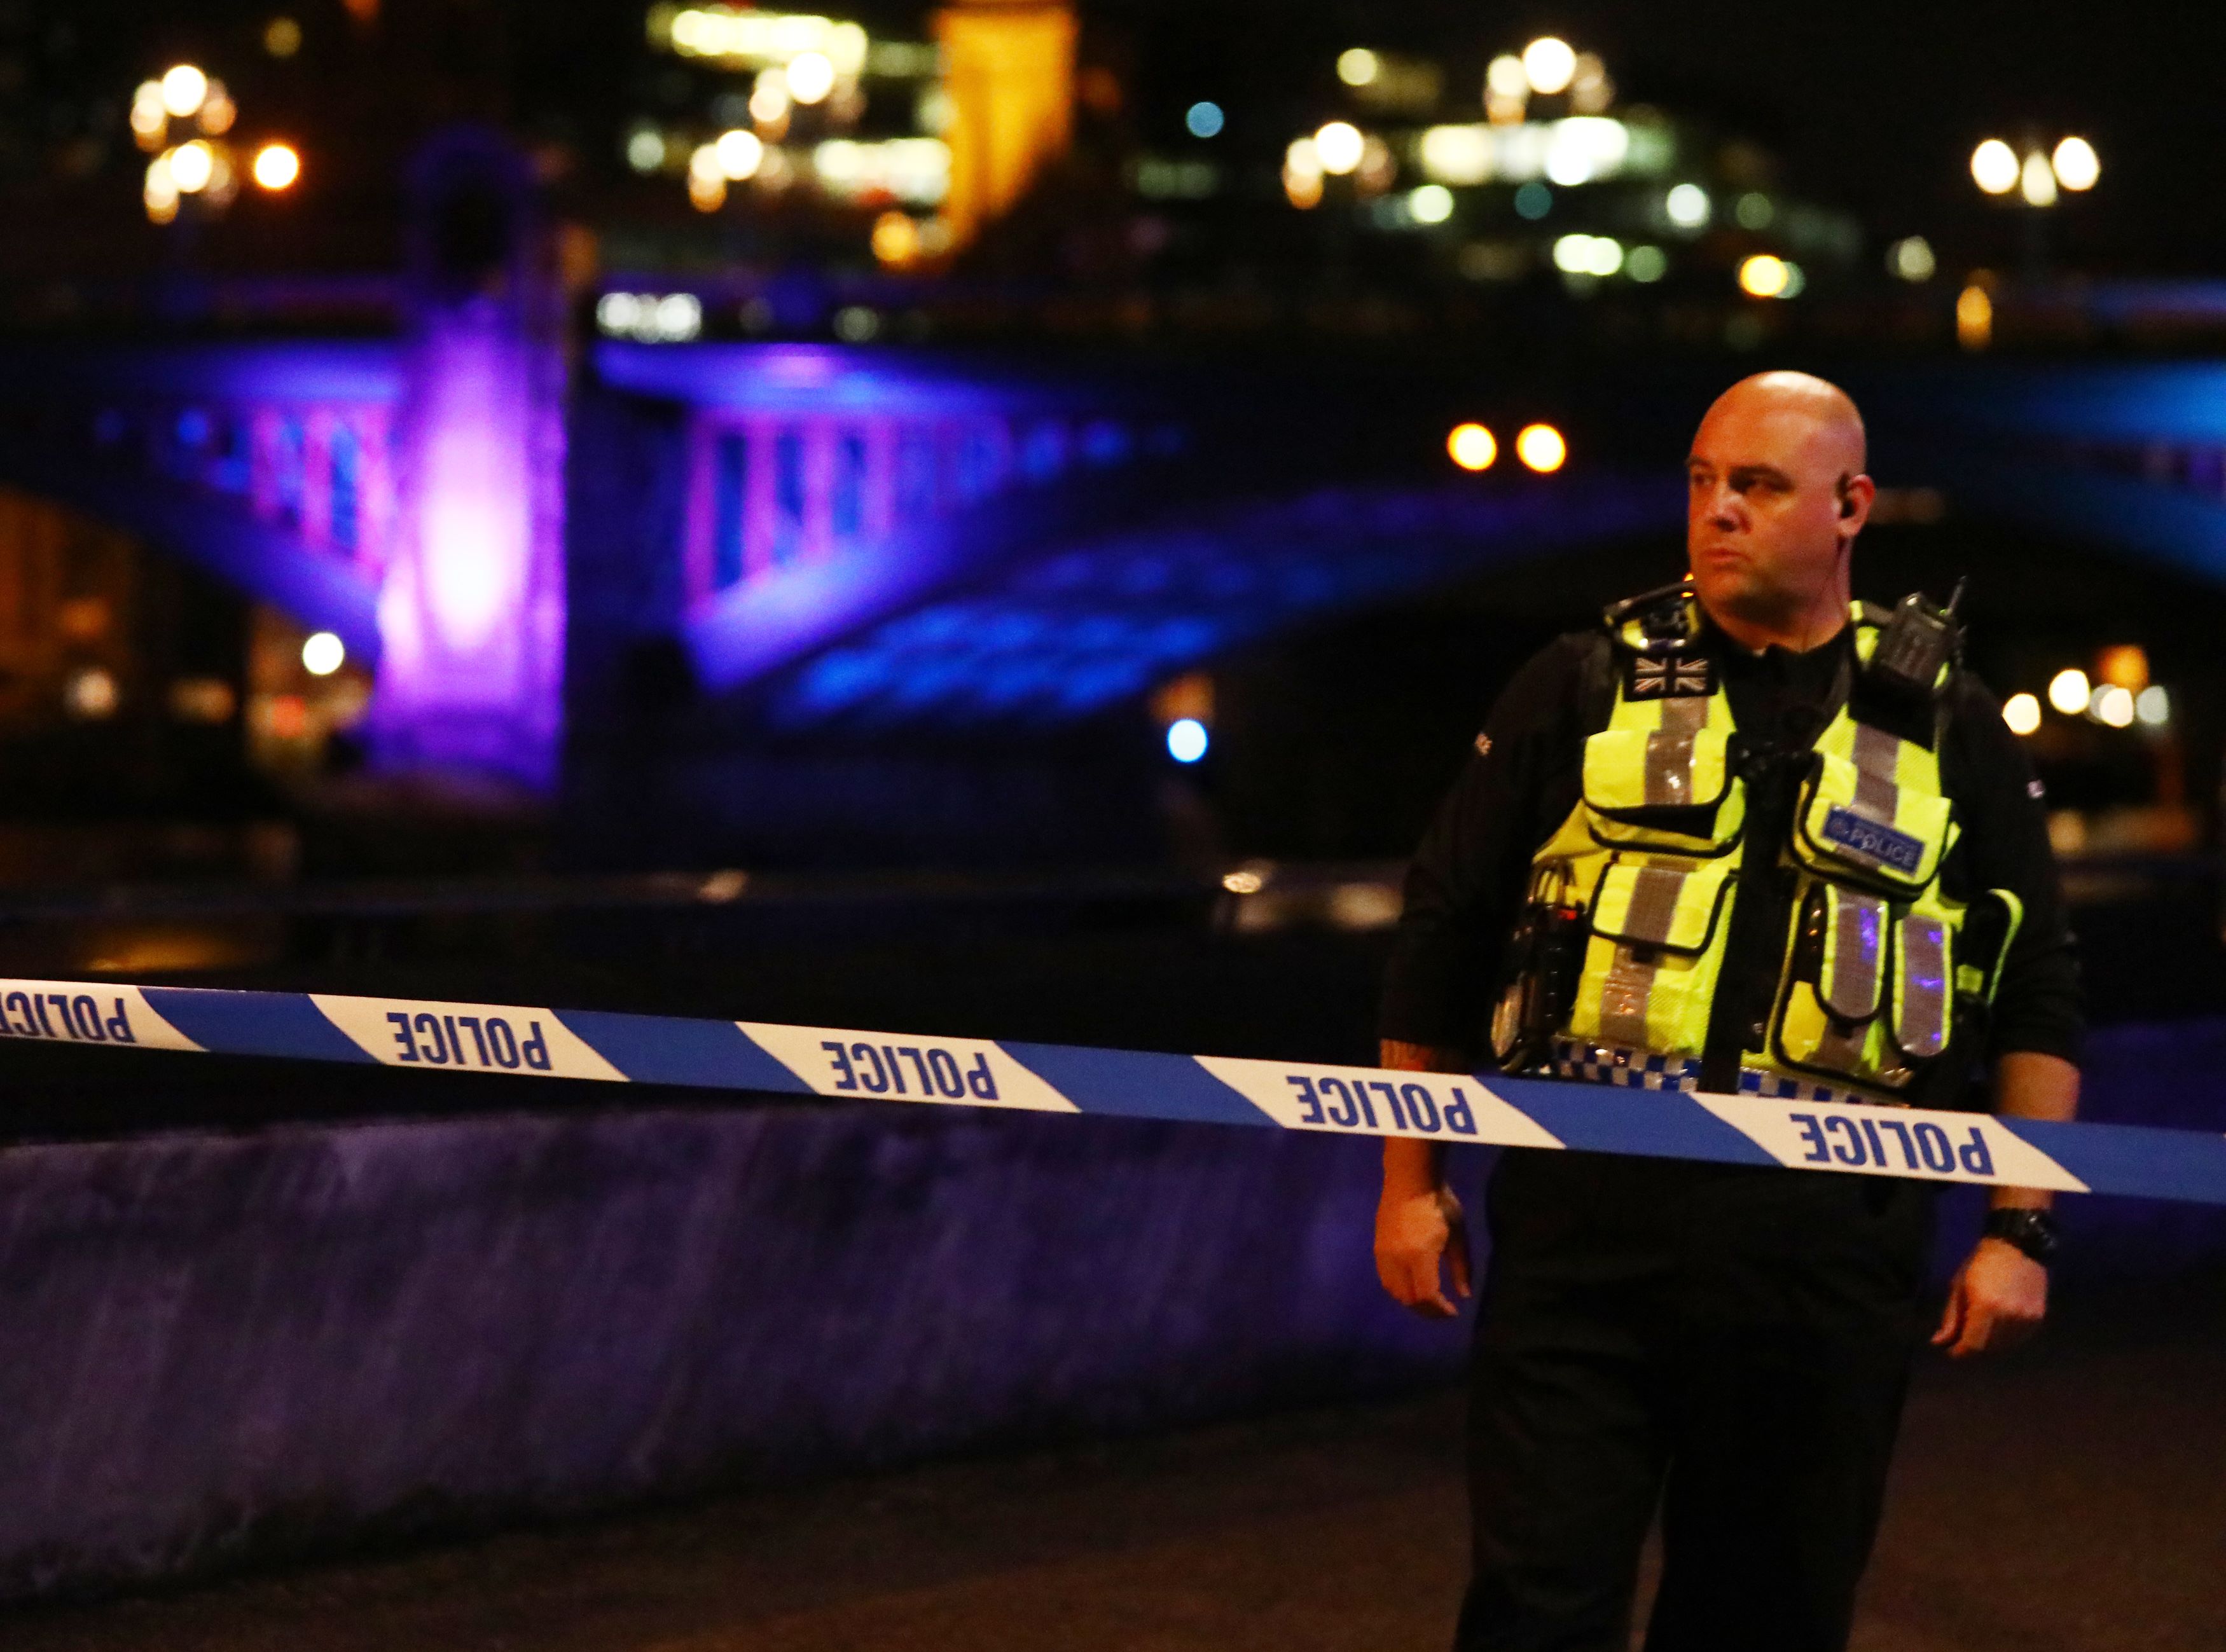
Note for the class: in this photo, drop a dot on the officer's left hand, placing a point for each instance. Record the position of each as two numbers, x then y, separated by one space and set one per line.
1999 1299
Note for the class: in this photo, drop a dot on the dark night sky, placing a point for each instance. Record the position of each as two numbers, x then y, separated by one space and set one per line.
1874 106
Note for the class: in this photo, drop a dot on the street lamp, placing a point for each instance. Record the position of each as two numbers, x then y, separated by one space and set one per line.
2039 173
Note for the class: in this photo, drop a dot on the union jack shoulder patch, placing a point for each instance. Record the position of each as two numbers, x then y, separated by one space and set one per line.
1655 676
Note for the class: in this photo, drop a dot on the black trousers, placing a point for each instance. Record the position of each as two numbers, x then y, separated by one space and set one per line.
1730 1345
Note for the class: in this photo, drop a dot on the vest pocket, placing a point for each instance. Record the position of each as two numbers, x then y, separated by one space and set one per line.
1867 990
1853 822
1658 926
1668 788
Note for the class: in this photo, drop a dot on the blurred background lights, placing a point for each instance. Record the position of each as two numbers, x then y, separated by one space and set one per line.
1339 146
669 318
2112 705
1646 264
1534 200
322 653
1431 204
2125 664
2068 690
218 111
1763 276
1506 77
645 150
1994 167
811 77
769 98
740 154
1541 447
1203 119
277 166
148 116
1472 446
2022 713
1359 68
1587 255
1550 65
2036 181
281 37
2075 164
1974 318
192 165
90 694
160 192
1186 740
1754 211
2153 706
1910 258
1687 206
184 89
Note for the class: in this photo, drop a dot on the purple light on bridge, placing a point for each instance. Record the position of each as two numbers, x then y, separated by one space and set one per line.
470 616
471 613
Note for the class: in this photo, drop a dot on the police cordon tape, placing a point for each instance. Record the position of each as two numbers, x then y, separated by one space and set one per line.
844 1063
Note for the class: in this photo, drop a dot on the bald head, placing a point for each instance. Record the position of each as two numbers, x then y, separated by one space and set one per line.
1777 495
1809 415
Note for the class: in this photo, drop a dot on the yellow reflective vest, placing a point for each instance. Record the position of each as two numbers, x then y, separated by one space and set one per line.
1644 874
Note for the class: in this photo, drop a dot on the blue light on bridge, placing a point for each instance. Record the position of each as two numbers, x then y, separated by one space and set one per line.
1186 740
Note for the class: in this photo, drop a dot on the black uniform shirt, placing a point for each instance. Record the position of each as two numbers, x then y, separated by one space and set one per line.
1468 880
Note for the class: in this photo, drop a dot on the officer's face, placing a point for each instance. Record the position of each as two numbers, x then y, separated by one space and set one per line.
1769 490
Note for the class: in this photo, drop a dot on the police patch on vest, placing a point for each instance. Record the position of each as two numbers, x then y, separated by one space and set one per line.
1679 677
1868 840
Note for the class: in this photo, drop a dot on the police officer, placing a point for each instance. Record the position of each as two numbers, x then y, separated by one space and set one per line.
1748 836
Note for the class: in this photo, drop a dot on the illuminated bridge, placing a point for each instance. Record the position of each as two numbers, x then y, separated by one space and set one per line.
870 538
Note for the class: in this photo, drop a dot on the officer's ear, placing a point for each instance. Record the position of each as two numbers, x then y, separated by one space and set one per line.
1855 494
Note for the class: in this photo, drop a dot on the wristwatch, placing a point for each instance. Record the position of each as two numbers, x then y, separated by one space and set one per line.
2033 1232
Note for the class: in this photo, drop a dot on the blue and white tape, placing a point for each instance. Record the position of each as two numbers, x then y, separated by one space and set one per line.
849 1063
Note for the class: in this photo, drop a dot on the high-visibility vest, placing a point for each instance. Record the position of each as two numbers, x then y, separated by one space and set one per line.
1647 868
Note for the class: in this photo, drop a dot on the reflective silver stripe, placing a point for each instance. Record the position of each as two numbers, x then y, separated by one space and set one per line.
1878 756
1669 752
1629 983
1920 1022
1652 914
1648 921
1858 955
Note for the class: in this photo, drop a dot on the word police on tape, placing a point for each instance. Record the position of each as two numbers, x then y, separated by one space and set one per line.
851 1063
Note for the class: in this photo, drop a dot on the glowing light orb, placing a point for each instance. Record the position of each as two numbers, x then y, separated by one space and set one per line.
810 76
277 166
192 165
1688 206
1472 447
2076 163
1338 145
1550 65
322 653
2112 706
740 154
1541 448
1994 167
2068 690
1763 276
2022 713
1203 119
1186 740
185 88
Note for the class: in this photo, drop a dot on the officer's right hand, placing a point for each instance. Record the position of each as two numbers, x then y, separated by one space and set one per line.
1416 1232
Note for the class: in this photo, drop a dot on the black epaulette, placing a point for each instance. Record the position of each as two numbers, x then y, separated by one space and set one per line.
1656 637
